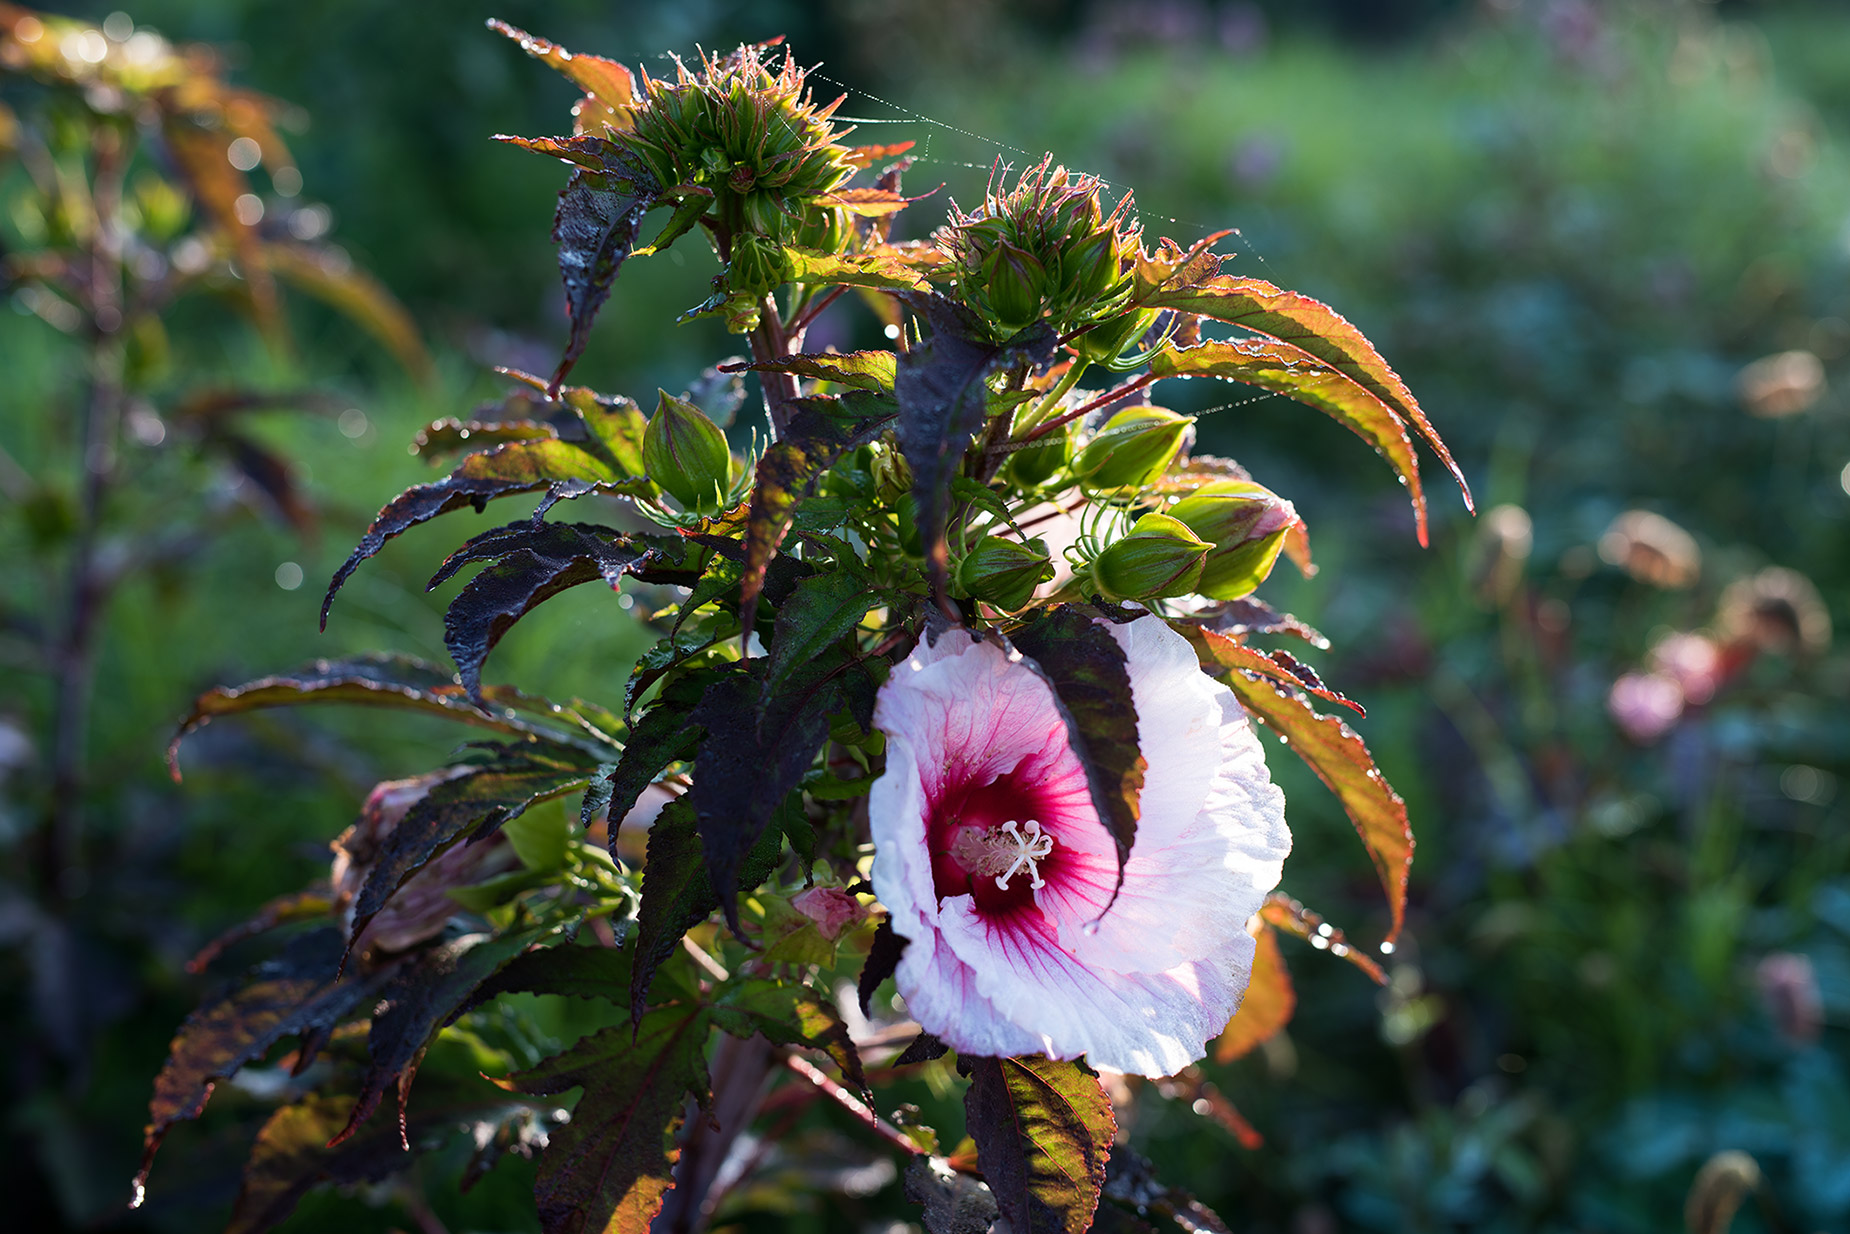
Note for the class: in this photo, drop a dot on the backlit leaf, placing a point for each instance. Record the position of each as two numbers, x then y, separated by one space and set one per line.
573 970
1285 913
1320 332
943 396
1331 748
1277 666
299 992
867 156
1043 1132
595 228
1266 1007
610 88
884 269
610 1167
862 370
1092 686
429 990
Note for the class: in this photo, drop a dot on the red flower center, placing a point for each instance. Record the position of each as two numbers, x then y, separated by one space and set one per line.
994 842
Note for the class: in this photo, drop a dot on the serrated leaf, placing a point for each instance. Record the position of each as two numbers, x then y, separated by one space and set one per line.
1315 329
595 228
1285 370
663 735
943 397
1266 1007
867 156
564 468
1043 1132
1092 687
530 562
884 269
274 477
791 1015
676 892
820 431
569 969
1239 618
756 748
868 202
317 901
1211 646
291 1156
298 992
861 370
819 613
609 1169
1331 749
468 807
375 680
610 88
428 991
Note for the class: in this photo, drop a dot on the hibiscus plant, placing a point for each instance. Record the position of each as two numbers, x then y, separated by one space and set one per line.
954 688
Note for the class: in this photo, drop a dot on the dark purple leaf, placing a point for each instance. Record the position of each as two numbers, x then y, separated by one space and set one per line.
882 962
1043 1132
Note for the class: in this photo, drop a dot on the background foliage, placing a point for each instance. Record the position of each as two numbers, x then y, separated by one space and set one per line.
1569 227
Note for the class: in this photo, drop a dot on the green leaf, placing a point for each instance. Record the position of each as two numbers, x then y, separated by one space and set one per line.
609 1169
540 838
298 992
1331 749
1288 371
532 562
427 991
470 806
1317 330
570 969
1092 687
791 1015
861 370
943 398
1043 1132
884 270
820 431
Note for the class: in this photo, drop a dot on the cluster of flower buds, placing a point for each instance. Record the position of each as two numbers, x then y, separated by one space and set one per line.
1046 248
686 455
749 135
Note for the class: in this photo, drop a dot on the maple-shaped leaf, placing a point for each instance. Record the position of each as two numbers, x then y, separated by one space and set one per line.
1043 1132
603 452
299 992
287 909
471 806
1320 333
820 431
943 392
608 1169
1091 683
531 562
1330 747
1265 1008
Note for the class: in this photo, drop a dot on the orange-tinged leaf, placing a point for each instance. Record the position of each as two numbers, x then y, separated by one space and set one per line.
1330 747
867 156
610 88
1043 1132
868 203
1285 913
1288 371
200 155
1314 328
1267 1007
859 370
884 269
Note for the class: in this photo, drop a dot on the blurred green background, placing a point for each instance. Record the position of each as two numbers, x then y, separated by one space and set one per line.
1571 226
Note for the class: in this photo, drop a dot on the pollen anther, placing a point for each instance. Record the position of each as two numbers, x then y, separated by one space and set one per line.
1030 845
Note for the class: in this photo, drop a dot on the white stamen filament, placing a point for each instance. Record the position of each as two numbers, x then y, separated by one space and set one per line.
1030 845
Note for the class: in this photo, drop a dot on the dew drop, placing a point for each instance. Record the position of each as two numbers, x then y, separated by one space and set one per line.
1089 929
1387 948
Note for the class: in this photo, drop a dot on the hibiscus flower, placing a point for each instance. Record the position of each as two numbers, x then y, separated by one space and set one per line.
997 871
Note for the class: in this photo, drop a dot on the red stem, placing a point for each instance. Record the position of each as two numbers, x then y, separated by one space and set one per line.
1103 400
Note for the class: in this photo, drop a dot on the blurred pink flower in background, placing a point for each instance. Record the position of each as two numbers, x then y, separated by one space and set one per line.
1693 661
996 869
1645 705
832 909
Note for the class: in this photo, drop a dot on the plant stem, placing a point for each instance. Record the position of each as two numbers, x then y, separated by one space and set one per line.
1103 400
770 342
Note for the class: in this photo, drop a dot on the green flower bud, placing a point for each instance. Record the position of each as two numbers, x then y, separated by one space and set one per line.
1246 524
1160 557
685 453
1091 267
828 228
1013 280
1133 450
1003 572
1108 340
757 265
892 474
906 512
1050 452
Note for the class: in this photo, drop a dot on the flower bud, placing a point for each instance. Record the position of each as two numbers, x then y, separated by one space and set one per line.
686 454
1091 267
1133 449
1160 557
757 265
1003 572
892 474
1014 280
1246 524
1108 340
1051 451
827 228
